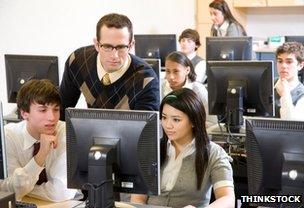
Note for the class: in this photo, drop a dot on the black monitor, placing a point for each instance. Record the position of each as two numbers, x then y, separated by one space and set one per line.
237 88
228 48
155 46
155 64
112 150
3 167
275 158
295 38
22 68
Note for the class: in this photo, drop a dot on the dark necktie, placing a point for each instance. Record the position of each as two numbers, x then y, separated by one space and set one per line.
42 175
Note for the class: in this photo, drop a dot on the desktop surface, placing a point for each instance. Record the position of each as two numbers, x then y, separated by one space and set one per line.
80 204
48 204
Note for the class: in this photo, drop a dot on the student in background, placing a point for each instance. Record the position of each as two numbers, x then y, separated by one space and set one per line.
180 73
36 146
107 74
189 42
190 163
289 90
224 24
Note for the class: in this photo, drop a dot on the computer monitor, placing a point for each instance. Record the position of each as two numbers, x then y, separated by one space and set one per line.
155 46
237 88
228 48
275 158
295 38
112 149
155 64
22 68
3 167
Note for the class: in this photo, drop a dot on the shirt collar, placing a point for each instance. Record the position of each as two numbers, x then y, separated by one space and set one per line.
29 141
114 75
188 150
222 30
294 83
191 55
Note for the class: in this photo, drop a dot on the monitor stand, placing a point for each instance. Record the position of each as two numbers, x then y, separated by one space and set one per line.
100 182
235 96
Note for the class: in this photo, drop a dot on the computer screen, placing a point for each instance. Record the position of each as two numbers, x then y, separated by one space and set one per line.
155 46
22 68
155 64
114 150
228 48
237 88
275 158
295 38
3 167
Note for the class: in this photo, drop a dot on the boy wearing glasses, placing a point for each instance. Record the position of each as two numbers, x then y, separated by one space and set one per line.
107 74
289 90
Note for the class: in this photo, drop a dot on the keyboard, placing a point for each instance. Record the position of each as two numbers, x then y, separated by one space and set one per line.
21 204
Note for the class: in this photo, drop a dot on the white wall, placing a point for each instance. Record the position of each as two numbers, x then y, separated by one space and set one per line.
265 22
57 27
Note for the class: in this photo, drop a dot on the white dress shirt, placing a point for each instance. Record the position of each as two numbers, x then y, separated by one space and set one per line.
222 30
23 171
288 110
200 69
174 164
114 75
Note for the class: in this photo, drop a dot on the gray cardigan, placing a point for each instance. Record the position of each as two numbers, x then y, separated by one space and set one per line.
233 30
185 192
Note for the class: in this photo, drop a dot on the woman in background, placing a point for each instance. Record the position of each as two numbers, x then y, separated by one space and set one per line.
189 42
190 163
224 24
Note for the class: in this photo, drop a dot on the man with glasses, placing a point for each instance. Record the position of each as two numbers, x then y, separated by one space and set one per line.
107 74
289 90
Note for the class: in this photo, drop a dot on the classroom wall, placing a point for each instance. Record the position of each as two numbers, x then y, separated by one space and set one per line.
57 27
265 22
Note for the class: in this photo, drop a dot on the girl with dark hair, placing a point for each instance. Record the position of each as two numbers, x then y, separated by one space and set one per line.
180 74
190 163
224 24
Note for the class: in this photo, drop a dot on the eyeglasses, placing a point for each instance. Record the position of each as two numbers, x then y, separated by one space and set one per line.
118 48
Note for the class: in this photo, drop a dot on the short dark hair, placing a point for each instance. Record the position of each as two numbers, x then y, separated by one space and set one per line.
292 48
193 35
224 8
115 20
182 59
41 91
188 102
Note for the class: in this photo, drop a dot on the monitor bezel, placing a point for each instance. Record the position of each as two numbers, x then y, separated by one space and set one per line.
14 81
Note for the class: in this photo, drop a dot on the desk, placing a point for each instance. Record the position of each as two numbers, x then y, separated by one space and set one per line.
80 204
47 204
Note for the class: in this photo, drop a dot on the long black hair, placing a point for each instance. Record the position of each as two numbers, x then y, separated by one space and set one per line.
224 8
187 101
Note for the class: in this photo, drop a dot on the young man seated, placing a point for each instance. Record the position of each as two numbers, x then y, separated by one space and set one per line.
289 90
36 146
